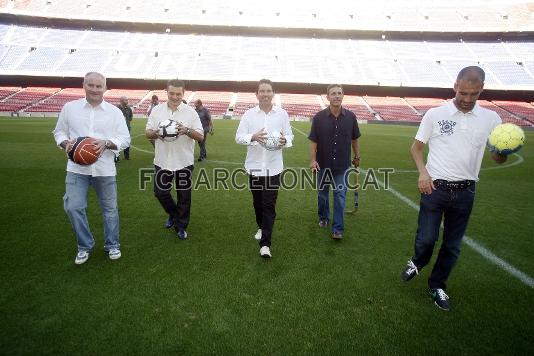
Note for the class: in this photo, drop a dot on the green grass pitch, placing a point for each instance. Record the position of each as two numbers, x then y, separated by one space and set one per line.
213 294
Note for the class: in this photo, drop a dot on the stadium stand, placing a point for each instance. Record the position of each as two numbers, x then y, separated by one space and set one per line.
25 98
410 109
300 105
218 54
397 15
237 58
55 102
8 91
392 109
134 96
522 110
244 102
422 105
216 102
357 105
505 115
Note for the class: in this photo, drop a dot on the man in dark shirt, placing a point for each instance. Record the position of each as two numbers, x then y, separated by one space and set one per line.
128 116
333 132
207 125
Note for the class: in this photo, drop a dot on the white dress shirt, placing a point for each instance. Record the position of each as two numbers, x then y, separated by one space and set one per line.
456 140
177 154
259 161
105 122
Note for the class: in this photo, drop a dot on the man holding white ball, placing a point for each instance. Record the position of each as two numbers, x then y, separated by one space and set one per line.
174 154
456 133
265 130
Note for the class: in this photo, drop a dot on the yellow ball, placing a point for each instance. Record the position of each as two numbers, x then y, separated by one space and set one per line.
506 138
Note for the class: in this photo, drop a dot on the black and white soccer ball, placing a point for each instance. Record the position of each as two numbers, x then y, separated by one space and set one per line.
272 142
168 130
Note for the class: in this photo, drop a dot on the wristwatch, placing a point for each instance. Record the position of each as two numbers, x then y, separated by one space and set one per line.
188 131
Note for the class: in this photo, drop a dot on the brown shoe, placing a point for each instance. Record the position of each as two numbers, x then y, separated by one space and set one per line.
337 236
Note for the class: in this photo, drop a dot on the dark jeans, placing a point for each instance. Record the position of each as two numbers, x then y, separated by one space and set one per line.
264 193
455 208
202 145
181 209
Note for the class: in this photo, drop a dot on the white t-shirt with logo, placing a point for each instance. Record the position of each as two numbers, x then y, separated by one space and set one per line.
456 140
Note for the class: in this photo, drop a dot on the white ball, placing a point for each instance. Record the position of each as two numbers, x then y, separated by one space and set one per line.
272 142
168 130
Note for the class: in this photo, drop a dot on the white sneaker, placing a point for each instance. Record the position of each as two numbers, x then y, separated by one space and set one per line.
114 254
265 252
258 235
81 257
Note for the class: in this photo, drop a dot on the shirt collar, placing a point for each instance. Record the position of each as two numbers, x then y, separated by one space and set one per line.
179 108
273 109
453 109
99 106
341 113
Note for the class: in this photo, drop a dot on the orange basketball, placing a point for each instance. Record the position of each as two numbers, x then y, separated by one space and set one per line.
83 152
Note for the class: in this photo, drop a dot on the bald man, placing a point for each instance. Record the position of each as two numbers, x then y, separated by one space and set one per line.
92 116
456 134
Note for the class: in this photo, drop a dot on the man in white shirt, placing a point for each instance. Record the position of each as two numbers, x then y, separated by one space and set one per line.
174 159
264 166
456 134
96 118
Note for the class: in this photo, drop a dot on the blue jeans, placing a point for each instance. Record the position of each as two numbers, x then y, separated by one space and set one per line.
455 208
75 202
337 179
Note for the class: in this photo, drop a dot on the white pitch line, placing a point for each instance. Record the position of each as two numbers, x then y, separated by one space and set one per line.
483 251
299 131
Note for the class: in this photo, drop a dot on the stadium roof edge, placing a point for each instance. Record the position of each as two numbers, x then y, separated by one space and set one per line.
52 22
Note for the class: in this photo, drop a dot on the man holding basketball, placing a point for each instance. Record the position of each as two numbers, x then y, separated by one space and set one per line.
93 117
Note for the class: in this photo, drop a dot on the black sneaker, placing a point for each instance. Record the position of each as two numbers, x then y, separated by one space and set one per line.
182 234
169 223
409 272
440 298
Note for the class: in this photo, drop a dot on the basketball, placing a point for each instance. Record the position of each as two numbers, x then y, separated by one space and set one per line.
83 152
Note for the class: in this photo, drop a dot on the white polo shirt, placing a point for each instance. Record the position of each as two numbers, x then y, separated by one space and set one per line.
456 140
104 121
177 154
259 161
